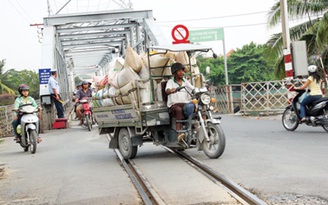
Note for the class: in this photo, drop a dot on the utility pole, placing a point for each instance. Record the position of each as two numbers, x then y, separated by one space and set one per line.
286 40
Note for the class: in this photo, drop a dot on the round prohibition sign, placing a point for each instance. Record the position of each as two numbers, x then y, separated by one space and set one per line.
180 34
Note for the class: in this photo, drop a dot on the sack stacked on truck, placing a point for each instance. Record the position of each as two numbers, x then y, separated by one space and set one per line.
122 84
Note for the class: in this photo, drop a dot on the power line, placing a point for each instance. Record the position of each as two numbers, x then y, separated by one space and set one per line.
30 18
18 11
233 26
209 18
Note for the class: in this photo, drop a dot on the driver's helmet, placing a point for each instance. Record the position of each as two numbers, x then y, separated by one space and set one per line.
22 87
79 84
312 68
176 66
86 82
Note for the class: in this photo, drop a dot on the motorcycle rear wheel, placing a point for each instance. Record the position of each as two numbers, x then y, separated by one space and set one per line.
325 127
289 120
215 147
33 138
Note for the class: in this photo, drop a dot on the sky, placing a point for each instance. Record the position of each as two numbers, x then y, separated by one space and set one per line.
243 21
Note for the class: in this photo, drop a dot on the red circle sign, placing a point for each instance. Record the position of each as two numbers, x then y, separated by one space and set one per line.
180 34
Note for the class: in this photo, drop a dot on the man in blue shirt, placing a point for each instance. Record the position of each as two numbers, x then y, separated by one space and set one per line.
54 91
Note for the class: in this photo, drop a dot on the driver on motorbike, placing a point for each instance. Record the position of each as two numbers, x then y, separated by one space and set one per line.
23 90
179 103
315 91
78 87
85 91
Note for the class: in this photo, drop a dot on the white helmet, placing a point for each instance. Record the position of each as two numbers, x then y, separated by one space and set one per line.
312 68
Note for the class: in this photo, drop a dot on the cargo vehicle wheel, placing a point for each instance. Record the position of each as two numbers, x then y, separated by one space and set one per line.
125 144
215 147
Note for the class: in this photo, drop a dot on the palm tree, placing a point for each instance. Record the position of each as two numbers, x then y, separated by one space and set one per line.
3 87
313 31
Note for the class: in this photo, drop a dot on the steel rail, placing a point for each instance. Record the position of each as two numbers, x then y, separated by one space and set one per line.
241 194
147 193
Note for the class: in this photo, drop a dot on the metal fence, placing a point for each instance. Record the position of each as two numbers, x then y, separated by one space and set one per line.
6 117
227 98
258 97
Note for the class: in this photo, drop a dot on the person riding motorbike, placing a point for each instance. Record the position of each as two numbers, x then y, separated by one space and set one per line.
85 91
179 103
78 87
23 90
315 92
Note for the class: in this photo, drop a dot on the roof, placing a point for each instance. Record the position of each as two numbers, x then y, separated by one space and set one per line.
182 47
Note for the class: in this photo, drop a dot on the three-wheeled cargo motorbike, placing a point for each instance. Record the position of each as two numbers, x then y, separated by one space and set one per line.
146 117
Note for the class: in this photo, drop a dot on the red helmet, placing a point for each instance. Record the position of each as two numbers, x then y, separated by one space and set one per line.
22 87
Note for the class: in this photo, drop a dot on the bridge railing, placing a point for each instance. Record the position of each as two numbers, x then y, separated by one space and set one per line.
6 117
265 97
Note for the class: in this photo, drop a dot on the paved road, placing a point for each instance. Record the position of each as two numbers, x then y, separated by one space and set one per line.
280 166
74 166
71 166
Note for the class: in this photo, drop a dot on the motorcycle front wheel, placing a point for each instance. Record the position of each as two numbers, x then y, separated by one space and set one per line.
290 120
214 148
88 122
33 139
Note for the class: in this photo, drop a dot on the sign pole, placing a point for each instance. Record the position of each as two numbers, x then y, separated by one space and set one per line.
225 61
286 40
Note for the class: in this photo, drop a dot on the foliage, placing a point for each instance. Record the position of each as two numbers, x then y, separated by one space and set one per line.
77 80
14 78
7 99
217 75
248 64
313 31
3 87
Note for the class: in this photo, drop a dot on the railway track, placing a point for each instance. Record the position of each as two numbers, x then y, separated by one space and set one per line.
149 195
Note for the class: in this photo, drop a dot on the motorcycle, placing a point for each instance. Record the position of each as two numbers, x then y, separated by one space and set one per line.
87 114
317 113
202 129
29 127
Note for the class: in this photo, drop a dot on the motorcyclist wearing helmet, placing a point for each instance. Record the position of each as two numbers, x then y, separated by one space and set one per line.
85 91
78 87
179 103
315 92
24 98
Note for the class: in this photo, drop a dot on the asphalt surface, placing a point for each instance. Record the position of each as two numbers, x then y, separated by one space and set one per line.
280 166
71 166
74 166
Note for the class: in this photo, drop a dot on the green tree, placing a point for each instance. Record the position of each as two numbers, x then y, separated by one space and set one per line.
77 80
313 31
250 64
3 86
14 78
217 75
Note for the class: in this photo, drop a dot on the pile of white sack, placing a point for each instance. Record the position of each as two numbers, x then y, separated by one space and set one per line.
125 77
